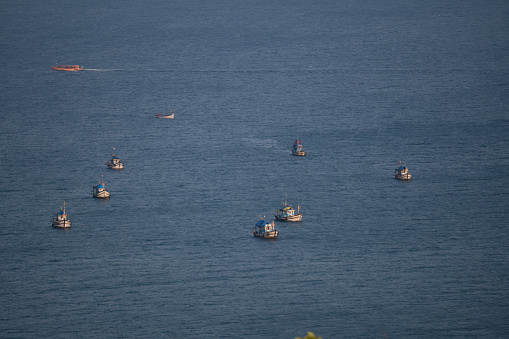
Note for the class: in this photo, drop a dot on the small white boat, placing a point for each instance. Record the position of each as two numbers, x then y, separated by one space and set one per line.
60 220
297 148
114 163
401 172
100 192
166 116
287 213
265 229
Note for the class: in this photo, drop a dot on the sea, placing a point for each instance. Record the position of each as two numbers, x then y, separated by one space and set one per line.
364 84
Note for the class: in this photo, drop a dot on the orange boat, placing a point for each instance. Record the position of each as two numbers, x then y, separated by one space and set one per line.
71 68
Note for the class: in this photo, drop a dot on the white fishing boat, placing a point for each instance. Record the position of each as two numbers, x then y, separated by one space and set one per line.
287 213
99 191
401 172
166 116
265 229
60 219
114 163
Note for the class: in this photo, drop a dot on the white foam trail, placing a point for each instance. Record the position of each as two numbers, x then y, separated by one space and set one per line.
101 70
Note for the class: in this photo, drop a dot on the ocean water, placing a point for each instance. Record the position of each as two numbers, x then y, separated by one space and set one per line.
170 254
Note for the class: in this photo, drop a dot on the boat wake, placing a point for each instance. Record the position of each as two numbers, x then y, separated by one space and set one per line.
101 70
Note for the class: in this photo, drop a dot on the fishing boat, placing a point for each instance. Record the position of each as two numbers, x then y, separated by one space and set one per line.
166 116
265 229
99 191
297 148
287 213
60 219
68 68
114 163
401 172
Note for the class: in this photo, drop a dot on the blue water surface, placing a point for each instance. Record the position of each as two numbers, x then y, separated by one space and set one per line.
171 254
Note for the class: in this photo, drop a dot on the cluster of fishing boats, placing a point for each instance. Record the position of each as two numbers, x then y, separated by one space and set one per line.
263 228
267 229
60 220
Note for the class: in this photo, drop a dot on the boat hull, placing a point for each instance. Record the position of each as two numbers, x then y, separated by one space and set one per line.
171 116
102 195
299 153
296 217
61 223
66 68
266 235
403 176
116 166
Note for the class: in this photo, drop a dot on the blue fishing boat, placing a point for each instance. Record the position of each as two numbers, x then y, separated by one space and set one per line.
401 172
99 191
287 213
297 148
60 220
265 229
114 163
